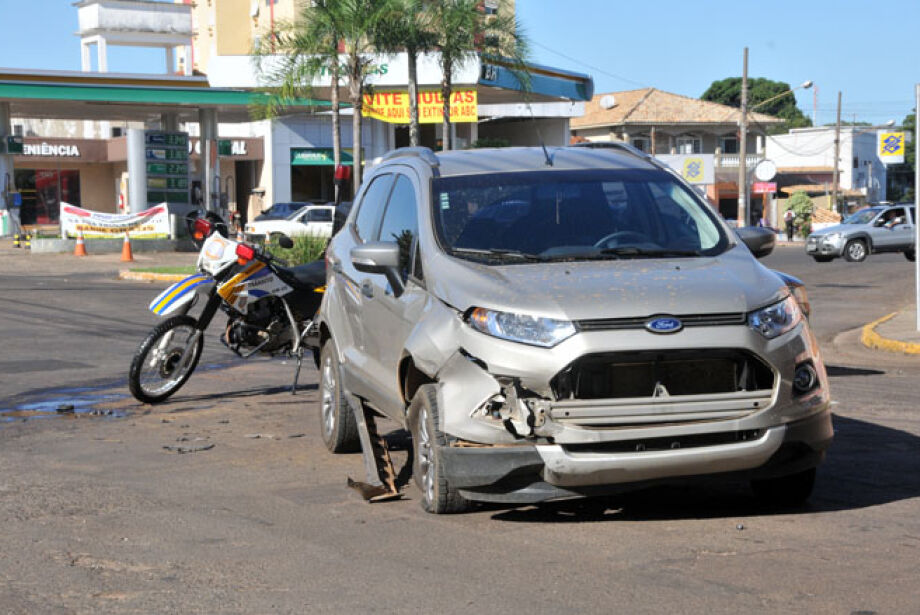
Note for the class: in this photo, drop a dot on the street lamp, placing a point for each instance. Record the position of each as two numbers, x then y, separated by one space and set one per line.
742 162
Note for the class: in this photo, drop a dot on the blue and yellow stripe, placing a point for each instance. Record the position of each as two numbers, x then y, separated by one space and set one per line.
178 291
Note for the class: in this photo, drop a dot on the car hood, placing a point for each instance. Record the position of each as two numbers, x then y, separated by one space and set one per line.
840 228
731 282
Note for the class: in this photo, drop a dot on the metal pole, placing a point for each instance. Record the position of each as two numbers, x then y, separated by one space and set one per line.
917 209
742 148
834 203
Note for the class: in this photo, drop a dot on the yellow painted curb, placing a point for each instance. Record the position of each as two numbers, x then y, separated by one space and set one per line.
871 339
142 276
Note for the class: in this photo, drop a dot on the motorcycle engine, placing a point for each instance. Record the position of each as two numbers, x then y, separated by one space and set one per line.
264 324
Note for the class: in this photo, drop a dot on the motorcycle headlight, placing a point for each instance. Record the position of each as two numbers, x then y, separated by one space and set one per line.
774 320
534 330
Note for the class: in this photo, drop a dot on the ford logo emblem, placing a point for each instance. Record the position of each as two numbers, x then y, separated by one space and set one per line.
664 324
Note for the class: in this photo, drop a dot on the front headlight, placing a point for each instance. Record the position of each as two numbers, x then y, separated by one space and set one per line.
774 320
534 330
833 237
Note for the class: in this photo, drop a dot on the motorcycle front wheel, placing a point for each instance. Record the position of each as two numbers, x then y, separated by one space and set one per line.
165 359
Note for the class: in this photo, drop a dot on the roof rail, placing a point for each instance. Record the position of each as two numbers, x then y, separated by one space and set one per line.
424 153
626 148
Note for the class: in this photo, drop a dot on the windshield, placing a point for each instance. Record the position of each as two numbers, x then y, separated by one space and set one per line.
572 215
863 216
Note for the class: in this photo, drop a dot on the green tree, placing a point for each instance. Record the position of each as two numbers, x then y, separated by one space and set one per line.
409 27
728 92
463 30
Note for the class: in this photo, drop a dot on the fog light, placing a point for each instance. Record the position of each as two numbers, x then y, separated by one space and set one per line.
805 379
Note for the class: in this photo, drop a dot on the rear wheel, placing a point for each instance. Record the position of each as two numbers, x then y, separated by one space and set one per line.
856 251
910 255
786 491
338 426
438 496
165 359
823 259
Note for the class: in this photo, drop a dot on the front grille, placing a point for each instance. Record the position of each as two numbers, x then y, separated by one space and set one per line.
640 388
688 320
642 445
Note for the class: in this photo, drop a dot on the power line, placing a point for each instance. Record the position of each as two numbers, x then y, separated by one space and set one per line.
586 65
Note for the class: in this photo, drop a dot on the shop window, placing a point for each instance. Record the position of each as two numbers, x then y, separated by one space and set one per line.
117 131
641 143
43 191
17 130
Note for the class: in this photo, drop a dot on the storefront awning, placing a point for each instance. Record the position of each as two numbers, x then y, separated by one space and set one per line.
317 156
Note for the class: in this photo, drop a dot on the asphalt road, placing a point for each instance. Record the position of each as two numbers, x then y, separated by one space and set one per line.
99 517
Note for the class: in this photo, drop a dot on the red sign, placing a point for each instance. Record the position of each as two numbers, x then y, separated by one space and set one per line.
763 187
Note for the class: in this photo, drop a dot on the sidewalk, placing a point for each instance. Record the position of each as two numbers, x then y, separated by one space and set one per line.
895 332
22 261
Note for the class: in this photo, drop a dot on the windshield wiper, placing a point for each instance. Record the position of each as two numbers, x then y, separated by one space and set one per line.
498 253
634 251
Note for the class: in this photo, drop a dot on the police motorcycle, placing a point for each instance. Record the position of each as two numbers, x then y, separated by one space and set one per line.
270 310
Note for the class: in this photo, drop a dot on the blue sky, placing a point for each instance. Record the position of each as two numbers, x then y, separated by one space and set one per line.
862 49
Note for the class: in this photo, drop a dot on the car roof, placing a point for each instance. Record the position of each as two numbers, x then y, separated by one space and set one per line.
511 159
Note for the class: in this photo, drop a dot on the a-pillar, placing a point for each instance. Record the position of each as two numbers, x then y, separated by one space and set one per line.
7 183
210 164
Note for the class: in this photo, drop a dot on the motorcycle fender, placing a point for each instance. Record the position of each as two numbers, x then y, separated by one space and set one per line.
177 299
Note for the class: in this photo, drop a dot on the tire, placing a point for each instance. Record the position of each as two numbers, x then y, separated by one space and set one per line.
823 259
910 255
152 379
786 491
856 251
337 423
438 497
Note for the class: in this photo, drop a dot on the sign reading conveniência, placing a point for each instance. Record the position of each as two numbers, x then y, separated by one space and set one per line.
393 106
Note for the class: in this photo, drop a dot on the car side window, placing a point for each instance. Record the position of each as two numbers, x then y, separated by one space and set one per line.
400 221
371 207
319 215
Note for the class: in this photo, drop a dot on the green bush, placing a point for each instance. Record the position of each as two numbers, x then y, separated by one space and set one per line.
307 248
803 208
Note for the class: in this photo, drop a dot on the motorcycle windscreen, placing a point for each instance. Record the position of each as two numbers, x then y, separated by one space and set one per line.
178 295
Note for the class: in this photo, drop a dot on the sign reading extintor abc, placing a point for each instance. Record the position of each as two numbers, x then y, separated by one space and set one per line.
891 147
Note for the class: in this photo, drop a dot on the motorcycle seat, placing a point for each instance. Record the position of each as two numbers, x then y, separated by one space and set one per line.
312 275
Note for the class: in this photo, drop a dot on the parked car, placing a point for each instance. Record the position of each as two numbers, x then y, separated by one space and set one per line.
565 323
310 220
280 211
882 228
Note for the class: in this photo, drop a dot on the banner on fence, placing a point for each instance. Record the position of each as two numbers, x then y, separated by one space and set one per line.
151 223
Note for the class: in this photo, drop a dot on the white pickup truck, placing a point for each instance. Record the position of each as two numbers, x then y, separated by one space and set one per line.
310 220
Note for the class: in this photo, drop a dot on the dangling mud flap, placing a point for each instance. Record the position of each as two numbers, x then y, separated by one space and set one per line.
381 477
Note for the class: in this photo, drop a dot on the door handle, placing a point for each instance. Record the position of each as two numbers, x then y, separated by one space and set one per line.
367 289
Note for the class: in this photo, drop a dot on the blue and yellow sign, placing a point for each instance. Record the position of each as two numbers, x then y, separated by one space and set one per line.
891 147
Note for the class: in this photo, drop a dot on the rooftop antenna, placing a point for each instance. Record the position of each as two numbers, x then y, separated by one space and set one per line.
549 159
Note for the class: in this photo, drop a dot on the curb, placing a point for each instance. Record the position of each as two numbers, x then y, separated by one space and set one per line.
141 276
871 339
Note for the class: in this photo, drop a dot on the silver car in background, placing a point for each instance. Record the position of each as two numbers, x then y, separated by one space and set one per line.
868 231
571 322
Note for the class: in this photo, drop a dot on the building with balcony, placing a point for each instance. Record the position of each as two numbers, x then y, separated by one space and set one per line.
662 123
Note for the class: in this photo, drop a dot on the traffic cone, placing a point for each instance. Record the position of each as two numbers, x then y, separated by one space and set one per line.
126 256
80 250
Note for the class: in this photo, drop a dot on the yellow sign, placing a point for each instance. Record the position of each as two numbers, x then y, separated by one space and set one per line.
693 170
890 146
393 106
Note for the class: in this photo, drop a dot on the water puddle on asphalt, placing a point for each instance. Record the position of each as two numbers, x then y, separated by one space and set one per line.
73 402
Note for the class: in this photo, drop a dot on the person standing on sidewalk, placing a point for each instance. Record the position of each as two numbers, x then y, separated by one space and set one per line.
789 219
12 202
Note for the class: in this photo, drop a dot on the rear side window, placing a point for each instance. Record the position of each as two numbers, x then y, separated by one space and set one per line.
319 215
371 207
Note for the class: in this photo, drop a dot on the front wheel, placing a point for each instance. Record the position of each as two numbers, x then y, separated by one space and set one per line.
438 495
910 255
165 359
856 251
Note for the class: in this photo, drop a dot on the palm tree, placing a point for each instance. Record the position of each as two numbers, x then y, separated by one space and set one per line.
409 26
464 31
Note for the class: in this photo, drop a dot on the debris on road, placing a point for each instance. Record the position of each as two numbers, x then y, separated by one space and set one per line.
65 409
189 449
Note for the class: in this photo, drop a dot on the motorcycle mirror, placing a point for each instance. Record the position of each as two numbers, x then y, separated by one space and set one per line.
285 242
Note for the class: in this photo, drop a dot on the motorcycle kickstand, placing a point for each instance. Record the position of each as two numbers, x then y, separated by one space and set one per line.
297 371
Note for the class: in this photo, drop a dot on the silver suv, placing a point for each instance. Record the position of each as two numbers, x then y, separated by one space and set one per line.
565 323
873 229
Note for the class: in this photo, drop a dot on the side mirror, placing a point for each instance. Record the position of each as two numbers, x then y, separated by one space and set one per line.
285 242
760 241
381 257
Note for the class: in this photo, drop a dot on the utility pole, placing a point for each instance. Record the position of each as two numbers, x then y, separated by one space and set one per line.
742 148
837 158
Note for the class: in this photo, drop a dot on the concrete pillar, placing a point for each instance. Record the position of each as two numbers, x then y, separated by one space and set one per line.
187 64
86 64
137 171
6 161
210 163
103 52
169 122
474 132
170 61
